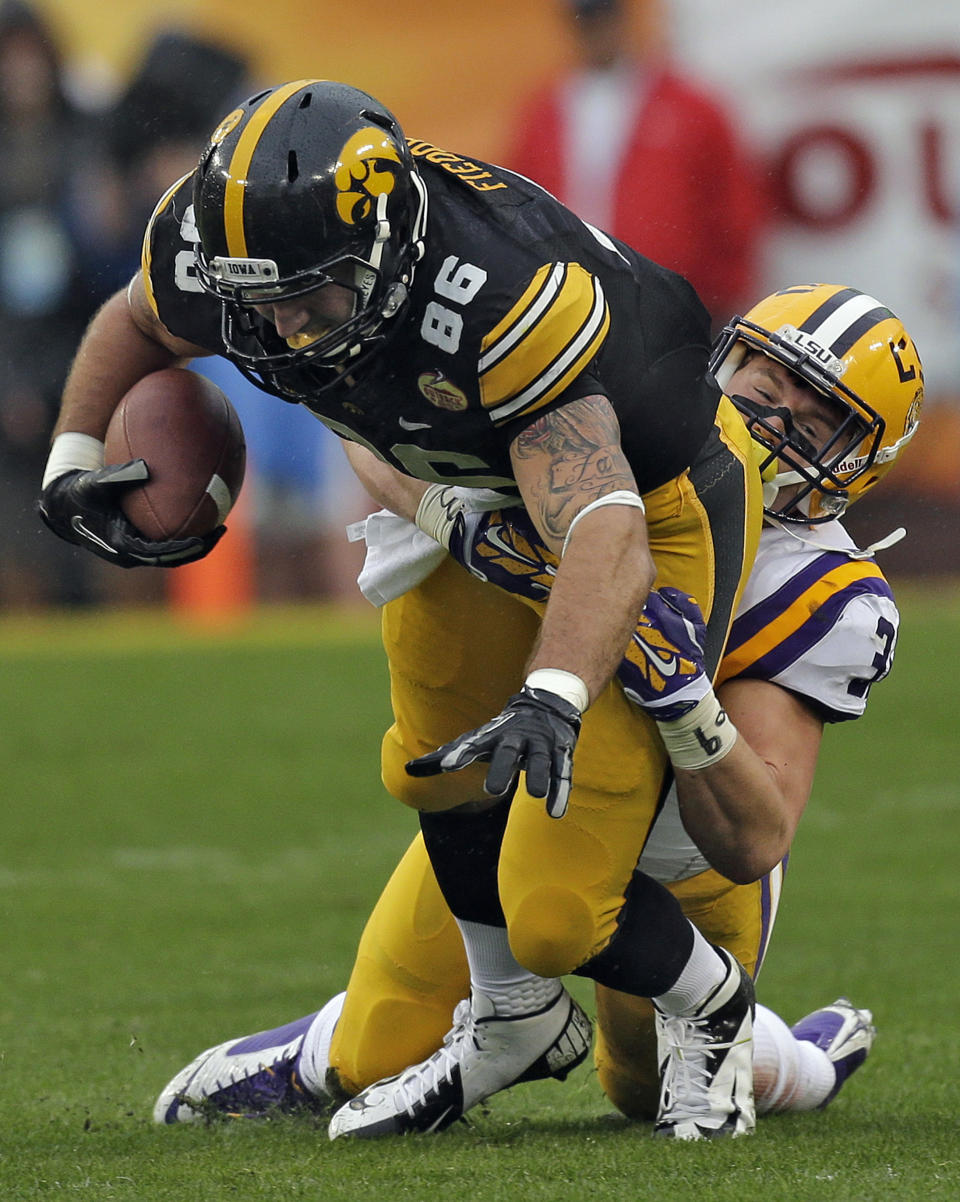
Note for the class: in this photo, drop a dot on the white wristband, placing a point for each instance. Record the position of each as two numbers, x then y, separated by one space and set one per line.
623 496
438 510
73 452
701 737
567 685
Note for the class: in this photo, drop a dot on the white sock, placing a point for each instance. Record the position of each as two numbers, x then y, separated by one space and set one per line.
788 1073
704 971
495 972
315 1053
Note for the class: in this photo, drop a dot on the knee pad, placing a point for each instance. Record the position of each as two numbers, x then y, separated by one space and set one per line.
552 930
635 1098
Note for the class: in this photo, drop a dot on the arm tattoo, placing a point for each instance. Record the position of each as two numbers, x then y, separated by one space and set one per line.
581 459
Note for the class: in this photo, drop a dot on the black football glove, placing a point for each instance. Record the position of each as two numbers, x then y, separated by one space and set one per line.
536 732
83 508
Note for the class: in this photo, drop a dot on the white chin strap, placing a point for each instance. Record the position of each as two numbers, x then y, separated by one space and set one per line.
382 236
770 490
809 538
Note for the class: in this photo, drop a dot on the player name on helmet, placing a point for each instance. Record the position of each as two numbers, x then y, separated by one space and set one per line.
809 346
250 271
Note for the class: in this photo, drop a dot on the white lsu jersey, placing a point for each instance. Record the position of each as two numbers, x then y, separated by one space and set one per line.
815 619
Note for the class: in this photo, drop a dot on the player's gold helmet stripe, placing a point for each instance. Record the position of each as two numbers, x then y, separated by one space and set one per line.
739 660
548 337
243 152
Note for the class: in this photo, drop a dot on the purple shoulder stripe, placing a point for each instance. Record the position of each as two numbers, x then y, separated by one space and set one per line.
790 649
746 625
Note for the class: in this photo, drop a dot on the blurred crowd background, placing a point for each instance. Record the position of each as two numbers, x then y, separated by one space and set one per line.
747 145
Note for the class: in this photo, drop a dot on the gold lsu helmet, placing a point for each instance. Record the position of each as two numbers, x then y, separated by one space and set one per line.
855 351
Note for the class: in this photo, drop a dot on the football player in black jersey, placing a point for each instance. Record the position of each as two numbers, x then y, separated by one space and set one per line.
454 321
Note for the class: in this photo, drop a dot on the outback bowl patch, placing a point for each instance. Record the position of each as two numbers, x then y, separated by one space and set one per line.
440 391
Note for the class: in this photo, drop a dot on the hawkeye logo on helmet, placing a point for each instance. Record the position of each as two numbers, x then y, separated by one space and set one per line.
367 170
226 126
244 271
808 346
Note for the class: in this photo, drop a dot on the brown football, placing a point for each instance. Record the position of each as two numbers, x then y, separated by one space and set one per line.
189 434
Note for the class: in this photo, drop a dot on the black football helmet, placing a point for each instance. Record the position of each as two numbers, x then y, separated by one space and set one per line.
303 185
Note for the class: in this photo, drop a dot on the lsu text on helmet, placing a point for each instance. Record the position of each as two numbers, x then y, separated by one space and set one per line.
307 184
857 353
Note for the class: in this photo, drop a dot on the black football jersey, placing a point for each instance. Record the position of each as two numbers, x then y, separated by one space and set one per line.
517 307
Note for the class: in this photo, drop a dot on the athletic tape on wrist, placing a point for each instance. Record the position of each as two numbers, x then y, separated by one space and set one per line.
622 496
567 685
701 737
438 510
72 452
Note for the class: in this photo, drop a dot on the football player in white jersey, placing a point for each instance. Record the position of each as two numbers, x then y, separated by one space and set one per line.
831 387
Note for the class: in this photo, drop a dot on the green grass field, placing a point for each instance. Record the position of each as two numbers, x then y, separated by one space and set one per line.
195 830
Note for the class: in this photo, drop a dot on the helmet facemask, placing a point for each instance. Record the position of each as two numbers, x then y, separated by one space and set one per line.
332 347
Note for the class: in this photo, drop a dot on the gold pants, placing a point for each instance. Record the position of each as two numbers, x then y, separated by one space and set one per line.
411 971
457 648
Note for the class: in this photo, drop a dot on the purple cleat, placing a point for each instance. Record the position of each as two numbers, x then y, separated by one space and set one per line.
244 1078
845 1033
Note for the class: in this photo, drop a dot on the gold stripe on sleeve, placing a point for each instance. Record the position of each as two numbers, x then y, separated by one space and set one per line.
544 342
792 619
